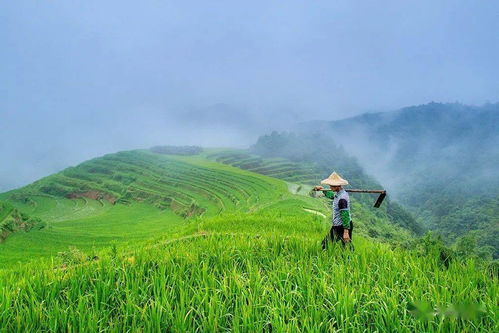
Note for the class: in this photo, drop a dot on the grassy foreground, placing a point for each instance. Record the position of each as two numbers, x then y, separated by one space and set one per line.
259 272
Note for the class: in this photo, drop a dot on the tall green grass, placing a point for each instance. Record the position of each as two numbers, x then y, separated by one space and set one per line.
258 272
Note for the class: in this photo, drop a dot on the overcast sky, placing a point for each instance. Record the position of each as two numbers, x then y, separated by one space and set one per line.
82 78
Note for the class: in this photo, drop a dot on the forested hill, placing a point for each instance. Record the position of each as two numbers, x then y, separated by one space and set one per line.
450 142
439 159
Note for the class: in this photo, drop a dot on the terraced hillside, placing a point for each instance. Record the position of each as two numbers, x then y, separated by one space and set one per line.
281 168
130 196
181 243
139 176
388 223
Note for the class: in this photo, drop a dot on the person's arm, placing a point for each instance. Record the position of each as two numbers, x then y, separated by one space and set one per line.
344 213
328 193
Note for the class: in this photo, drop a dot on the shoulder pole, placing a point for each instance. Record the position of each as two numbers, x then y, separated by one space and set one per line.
379 201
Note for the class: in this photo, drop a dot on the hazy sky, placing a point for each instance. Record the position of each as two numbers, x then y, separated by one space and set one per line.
82 78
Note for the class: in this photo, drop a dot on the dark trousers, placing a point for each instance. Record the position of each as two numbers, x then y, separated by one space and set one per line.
336 235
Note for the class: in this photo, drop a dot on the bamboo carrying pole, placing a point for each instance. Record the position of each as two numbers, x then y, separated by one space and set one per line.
365 191
381 197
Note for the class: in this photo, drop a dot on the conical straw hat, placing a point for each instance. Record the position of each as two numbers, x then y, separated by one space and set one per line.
334 180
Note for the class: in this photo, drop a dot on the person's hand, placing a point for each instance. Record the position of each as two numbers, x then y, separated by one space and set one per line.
346 236
318 188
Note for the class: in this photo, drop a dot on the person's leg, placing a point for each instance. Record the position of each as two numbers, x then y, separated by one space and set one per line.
350 231
329 235
338 233
325 241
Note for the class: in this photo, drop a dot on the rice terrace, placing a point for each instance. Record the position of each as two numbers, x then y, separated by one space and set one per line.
128 241
260 166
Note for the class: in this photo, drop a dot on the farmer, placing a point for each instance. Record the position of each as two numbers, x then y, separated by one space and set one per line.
342 222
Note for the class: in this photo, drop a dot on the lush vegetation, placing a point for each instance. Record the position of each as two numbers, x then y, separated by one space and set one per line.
277 167
324 158
12 220
390 223
246 257
475 219
129 196
440 159
263 271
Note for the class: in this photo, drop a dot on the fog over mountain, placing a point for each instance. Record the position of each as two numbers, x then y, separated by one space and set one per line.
451 144
40 144
83 78
439 160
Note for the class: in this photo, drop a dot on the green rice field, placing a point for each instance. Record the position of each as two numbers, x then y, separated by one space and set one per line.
143 242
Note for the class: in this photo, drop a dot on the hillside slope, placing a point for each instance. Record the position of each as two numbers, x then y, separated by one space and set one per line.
439 160
449 143
130 196
389 223
321 152
239 252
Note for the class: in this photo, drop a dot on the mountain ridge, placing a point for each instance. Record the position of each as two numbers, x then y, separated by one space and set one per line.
435 158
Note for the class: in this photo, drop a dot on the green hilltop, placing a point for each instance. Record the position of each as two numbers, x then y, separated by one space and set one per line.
223 240
132 195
